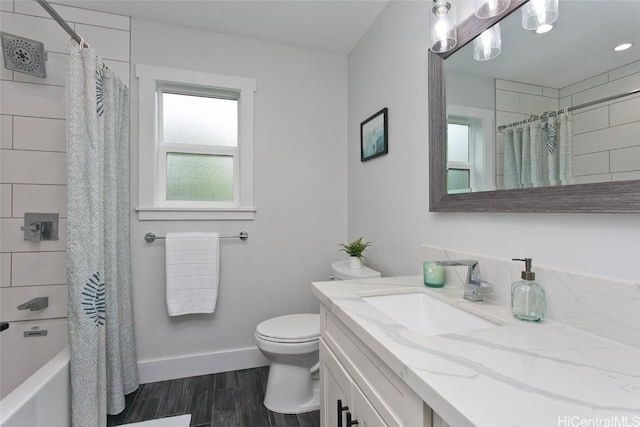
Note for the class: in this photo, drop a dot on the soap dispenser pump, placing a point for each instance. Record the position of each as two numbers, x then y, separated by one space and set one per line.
528 297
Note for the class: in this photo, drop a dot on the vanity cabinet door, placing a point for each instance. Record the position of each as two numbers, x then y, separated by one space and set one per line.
341 399
336 390
437 421
363 411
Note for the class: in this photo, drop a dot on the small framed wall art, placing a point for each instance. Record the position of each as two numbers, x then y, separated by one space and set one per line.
374 141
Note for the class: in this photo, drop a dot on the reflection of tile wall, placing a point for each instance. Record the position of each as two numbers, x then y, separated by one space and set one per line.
33 143
606 146
599 305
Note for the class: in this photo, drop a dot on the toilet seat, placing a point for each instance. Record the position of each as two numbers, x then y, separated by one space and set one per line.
292 328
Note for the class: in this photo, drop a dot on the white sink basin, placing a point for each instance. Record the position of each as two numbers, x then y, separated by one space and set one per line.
426 315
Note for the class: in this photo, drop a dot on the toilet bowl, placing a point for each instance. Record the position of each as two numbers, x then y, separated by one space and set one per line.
291 344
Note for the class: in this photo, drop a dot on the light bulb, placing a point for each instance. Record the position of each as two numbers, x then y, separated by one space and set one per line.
488 45
443 26
545 28
537 13
490 8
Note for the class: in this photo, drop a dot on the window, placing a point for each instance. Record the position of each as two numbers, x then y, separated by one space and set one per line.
460 176
470 150
195 145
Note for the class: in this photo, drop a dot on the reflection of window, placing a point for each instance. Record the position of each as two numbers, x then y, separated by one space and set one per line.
470 149
460 156
196 145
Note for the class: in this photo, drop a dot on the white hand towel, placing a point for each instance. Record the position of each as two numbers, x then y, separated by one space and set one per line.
192 261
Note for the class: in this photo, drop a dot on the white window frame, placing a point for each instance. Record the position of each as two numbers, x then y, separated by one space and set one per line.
469 165
152 203
484 146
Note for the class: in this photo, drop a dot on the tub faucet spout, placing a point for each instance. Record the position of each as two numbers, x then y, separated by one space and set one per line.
474 288
35 304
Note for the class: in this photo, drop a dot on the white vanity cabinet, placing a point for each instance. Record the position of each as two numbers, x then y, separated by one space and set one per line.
352 376
344 403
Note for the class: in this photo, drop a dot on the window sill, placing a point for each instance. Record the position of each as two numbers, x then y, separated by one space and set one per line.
185 214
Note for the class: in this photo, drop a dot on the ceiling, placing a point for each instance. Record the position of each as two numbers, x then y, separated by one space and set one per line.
328 25
580 45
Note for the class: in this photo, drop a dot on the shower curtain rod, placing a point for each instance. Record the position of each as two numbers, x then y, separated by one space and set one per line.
577 107
51 11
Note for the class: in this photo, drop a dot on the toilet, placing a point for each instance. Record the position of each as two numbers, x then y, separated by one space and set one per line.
341 271
291 344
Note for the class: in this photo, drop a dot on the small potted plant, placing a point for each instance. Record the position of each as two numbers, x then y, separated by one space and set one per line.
355 250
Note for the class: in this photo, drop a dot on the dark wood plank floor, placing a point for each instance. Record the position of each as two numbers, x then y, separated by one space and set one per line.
227 399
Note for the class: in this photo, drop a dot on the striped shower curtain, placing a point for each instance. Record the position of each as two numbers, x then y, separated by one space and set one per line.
103 359
539 154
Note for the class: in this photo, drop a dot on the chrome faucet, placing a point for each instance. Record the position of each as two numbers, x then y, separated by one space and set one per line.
474 288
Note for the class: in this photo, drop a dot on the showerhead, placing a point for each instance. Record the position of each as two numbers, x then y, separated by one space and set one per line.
23 55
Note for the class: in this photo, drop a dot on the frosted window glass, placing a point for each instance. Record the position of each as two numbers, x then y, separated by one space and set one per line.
457 143
199 177
190 119
458 179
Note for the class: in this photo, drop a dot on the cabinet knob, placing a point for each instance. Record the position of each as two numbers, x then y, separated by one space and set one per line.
340 410
351 422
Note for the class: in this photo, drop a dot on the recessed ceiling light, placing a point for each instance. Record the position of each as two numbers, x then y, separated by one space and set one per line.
623 46
545 28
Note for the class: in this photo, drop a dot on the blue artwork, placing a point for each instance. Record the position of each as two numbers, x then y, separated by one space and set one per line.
374 136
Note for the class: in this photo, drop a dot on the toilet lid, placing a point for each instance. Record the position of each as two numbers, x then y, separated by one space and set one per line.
291 328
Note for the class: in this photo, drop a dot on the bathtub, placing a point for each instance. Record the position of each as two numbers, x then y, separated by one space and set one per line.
43 399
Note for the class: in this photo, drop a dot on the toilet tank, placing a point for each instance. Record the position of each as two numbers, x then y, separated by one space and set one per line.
340 270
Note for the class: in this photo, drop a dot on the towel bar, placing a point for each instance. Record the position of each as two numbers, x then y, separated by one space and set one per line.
151 237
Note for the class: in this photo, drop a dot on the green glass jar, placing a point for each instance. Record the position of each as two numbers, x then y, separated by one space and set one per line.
433 274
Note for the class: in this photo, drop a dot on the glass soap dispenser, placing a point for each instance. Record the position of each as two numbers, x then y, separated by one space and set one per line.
528 297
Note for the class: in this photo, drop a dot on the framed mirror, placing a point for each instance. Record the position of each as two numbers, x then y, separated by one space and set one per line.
471 100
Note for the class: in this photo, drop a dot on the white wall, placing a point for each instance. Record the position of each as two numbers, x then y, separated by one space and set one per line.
300 188
470 91
388 196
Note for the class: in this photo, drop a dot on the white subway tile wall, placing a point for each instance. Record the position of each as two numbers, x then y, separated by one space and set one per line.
13 238
39 268
6 5
5 269
4 73
57 67
5 200
606 146
13 296
6 131
39 198
36 133
33 149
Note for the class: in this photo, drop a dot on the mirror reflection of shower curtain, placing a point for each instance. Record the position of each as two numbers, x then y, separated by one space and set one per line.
103 359
539 154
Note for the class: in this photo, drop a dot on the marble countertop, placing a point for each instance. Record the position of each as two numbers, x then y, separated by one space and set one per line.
537 374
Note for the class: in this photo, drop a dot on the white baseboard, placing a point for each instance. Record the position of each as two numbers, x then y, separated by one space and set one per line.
192 365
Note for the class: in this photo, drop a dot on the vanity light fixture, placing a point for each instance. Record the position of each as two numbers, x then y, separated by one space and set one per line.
490 8
488 45
444 35
537 14
623 46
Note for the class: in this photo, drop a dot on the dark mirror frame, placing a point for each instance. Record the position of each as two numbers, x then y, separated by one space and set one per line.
617 197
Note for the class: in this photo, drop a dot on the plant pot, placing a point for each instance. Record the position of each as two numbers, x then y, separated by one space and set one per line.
355 262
